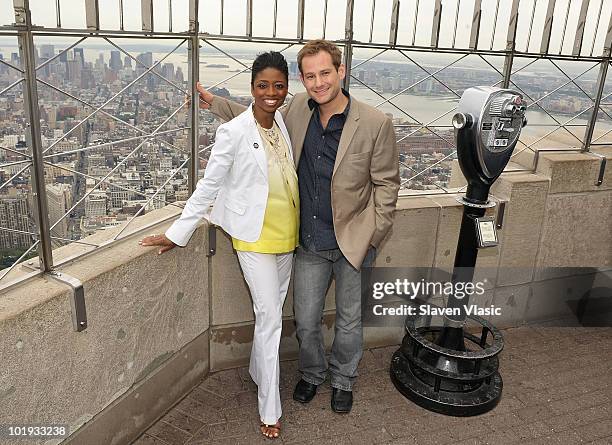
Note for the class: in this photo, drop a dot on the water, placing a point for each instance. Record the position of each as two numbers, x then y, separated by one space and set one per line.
426 109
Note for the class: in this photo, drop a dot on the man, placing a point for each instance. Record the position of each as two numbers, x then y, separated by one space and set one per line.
348 174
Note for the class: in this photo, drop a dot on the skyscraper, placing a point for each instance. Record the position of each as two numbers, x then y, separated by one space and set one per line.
146 59
115 61
79 56
178 76
47 51
168 71
59 198
14 215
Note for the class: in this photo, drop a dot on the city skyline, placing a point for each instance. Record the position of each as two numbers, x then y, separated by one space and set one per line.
104 170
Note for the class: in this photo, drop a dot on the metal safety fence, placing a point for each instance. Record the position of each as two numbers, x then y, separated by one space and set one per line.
88 144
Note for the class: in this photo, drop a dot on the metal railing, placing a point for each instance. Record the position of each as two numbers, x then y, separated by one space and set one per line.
505 42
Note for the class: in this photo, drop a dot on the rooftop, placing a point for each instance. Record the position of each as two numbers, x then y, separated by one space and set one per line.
557 390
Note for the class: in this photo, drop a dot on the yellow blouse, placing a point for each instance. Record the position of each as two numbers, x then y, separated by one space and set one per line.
280 232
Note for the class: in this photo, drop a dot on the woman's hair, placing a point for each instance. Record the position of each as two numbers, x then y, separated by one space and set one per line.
271 59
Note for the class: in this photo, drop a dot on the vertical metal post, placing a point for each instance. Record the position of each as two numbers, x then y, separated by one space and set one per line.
494 23
548 22
580 28
169 15
92 16
324 18
221 17
58 13
601 3
121 15
394 23
607 49
194 68
564 28
348 43
510 43
475 31
23 19
435 27
416 19
147 15
514 12
300 22
532 16
275 18
249 18
455 23
372 20
601 80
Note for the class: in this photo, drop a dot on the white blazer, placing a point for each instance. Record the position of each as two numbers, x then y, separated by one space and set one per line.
235 183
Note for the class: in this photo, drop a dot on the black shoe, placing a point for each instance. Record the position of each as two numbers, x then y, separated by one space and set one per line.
342 401
304 391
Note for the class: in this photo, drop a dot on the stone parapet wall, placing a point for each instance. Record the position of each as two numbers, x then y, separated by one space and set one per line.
142 309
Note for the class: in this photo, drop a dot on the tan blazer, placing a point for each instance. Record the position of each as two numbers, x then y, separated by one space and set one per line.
365 181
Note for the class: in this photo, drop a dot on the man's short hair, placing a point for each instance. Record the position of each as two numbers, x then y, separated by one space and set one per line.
314 46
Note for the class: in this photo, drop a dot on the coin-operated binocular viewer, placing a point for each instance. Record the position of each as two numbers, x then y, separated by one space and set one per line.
433 367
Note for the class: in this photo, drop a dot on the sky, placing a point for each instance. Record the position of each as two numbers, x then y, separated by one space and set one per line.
531 14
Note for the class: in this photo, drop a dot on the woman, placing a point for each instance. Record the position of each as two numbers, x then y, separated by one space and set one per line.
251 183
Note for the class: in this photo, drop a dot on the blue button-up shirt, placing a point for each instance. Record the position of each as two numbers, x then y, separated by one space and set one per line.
315 171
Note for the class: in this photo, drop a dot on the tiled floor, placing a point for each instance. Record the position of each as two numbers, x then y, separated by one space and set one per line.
557 390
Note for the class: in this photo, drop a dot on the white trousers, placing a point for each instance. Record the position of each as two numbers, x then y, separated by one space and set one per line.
268 278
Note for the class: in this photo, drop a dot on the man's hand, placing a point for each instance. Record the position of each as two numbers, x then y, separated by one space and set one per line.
158 240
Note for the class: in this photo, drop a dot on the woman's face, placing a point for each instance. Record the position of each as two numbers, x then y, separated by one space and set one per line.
269 89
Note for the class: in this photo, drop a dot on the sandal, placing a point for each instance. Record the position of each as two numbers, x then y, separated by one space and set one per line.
270 431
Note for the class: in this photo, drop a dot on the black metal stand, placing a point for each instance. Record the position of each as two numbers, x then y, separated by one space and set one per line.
433 367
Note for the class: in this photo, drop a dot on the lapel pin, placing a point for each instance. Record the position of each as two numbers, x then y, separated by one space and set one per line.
255 145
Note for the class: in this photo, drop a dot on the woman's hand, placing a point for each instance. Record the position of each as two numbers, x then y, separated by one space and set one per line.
158 240
206 97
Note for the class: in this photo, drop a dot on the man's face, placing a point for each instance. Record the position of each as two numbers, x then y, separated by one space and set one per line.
320 77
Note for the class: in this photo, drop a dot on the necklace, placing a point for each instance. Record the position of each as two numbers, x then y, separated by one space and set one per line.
273 137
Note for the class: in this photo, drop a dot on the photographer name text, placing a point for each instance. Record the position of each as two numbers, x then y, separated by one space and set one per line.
404 310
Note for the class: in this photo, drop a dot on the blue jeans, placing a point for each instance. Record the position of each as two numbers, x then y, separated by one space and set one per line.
313 273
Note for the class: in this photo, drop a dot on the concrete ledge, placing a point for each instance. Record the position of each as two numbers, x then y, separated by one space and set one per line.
141 309
525 196
576 231
573 172
132 413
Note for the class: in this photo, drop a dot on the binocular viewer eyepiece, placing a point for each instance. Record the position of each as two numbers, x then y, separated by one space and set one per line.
487 126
